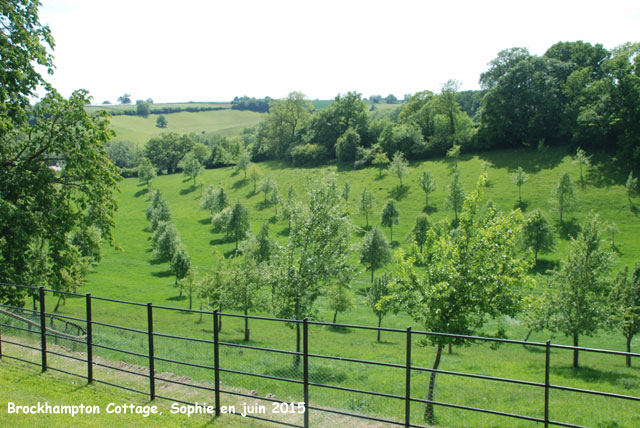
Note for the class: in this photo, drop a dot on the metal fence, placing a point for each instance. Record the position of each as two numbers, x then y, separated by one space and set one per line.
224 372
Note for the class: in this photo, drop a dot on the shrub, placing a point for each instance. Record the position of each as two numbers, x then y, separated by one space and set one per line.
308 155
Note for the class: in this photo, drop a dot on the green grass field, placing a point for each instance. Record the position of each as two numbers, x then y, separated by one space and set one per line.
223 122
134 275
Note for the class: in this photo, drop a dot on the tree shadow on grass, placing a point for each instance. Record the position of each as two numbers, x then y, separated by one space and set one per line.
188 190
399 192
162 274
177 298
206 220
141 192
522 205
531 160
316 374
544 265
263 205
218 241
568 229
338 329
157 261
240 184
589 374
429 209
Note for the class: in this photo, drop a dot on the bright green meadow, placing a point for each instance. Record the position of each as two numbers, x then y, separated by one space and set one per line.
133 274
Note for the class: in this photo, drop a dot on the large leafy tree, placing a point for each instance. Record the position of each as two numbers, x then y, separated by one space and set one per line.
286 118
166 151
473 275
41 207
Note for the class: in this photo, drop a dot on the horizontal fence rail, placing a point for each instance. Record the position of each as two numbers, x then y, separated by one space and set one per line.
37 328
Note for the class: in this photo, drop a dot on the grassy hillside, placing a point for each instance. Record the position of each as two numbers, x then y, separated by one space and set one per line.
134 275
224 122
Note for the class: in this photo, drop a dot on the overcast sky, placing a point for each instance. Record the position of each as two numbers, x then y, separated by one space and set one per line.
213 50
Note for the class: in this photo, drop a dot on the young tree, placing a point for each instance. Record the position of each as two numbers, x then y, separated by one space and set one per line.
161 121
346 190
275 198
375 251
339 295
264 246
189 285
582 160
266 186
146 171
158 211
289 205
243 160
538 235
519 178
474 275
578 289
380 161
181 264
612 229
316 252
455 199
390 216
377 292
563 199
399 166
237 224
427 184
631 185
191 166
454 153
165 241
207 202
221 201
624 302
244 287
366 204
254 175
420 230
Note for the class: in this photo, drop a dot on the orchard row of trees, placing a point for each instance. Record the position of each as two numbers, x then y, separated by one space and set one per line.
456 276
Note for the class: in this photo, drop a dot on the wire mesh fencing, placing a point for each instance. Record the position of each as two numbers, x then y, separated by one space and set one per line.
283 371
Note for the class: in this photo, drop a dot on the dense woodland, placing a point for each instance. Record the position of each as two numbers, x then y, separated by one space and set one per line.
576 93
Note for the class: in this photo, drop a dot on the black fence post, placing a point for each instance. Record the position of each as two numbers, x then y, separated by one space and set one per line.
407 393
89 341
152 378
546 383
305 369
43 331
216 362
0 342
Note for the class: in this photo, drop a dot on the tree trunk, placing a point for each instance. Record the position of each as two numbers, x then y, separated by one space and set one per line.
246 326
426 199
372 274
58 304
200 313
629 350
379 324
429 416
296 360
520 194
575 351
526 338
335 316
391 227
450 349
